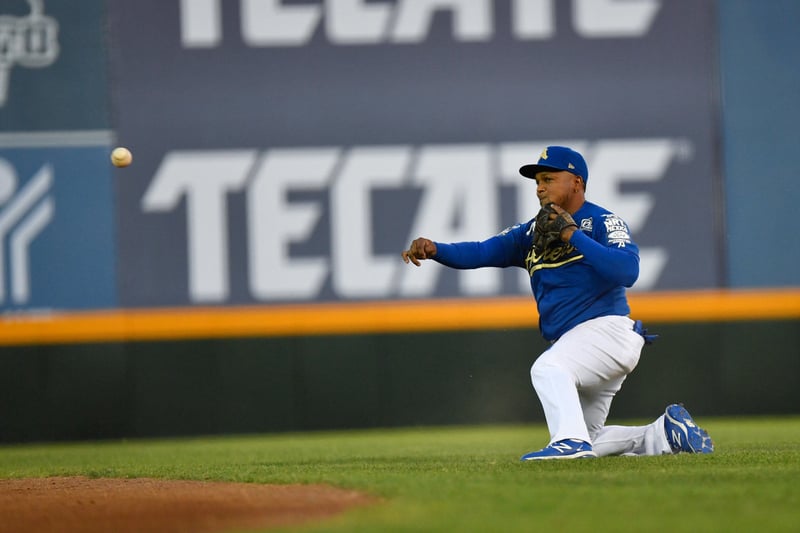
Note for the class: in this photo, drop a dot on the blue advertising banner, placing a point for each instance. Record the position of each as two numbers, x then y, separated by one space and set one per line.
287 152
56 229
53 65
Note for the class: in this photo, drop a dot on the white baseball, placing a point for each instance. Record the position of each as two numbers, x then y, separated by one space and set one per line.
121 157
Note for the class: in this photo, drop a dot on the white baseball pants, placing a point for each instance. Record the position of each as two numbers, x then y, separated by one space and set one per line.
576 380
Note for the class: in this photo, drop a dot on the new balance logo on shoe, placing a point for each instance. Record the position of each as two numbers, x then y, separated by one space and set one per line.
561 447
683 434
675 441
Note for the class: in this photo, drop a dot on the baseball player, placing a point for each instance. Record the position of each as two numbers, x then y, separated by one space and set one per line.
580 258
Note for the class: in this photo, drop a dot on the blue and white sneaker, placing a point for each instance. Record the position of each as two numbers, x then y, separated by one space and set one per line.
563 449
683 434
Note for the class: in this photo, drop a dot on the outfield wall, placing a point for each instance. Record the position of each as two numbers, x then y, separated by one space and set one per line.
249 385
248 370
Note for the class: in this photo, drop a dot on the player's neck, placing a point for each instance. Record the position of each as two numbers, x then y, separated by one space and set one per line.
575 203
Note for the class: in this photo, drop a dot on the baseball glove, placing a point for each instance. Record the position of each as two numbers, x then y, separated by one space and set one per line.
548 230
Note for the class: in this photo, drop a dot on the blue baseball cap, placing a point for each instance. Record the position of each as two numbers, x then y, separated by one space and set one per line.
558 158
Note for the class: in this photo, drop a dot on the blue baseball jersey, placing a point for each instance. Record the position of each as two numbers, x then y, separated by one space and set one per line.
574 282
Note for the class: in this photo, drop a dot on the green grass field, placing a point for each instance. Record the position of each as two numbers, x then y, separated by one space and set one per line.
470 478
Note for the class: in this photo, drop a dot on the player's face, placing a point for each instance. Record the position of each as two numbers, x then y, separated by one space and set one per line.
560 188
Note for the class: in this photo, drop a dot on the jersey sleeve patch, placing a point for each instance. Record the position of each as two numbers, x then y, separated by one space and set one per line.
616 231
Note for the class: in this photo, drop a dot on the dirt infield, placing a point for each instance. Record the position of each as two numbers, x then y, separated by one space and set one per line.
79 504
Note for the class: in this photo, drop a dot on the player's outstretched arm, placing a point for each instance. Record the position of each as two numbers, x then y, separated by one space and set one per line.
421 248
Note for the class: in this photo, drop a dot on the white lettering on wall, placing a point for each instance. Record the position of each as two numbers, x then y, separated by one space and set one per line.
459 187
266 23
357 271
614 18
618 162
458 204
24 213
275 223
204 179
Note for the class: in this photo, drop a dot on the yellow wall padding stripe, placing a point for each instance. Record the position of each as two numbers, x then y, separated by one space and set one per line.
374 317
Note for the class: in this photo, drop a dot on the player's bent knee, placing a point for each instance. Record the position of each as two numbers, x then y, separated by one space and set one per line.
545 371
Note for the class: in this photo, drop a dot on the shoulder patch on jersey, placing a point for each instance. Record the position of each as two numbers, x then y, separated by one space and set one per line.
616 230
587 224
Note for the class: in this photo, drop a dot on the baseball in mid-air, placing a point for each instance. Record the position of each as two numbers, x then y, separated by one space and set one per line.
121 157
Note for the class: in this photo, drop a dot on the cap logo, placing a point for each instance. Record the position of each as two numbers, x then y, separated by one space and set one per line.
544 154
571 166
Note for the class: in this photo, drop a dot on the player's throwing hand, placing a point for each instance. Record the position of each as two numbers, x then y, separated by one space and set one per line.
421 248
